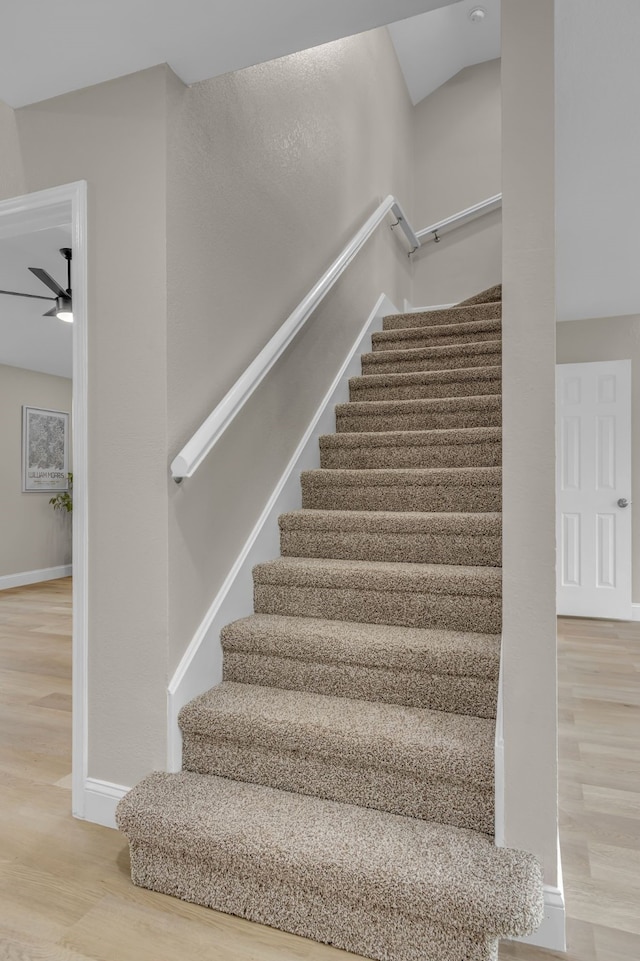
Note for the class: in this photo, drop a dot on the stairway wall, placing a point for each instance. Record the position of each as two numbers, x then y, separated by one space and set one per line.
458 143
528 336
271 170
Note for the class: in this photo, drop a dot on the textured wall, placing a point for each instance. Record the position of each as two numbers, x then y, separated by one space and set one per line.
271 171
457 163
114 136
529 585
34 536
12 182
598 158
611 338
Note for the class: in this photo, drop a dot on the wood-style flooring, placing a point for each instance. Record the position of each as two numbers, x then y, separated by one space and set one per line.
65 893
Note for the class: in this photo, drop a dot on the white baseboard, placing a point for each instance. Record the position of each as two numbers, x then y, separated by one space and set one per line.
423 310
551 933
100 801
201 664
34 577
635 612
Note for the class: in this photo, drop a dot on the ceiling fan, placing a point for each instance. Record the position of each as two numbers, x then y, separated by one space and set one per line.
63 309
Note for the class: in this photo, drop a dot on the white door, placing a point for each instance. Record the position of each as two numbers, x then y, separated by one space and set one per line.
593 511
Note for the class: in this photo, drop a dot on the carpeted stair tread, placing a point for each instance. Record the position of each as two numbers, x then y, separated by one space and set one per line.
245 848
358 733
439 413
454 653
415 537
448 489
466 447
455 382
380 575
437 335
450 671
444 315
458 597
490 295
449 357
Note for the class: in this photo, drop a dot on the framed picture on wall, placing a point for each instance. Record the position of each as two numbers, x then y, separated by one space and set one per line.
45 449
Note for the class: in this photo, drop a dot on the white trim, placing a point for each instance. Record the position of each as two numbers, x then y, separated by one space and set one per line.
7 581
100 801
35 211
463 217
208 434
201 664
425 310
551 933
499 762
635 612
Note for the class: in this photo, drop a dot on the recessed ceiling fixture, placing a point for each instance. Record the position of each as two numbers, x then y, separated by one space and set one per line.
63 309
477 14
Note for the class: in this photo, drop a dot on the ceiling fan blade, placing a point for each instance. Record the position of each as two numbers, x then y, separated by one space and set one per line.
51 313
49 281
16 293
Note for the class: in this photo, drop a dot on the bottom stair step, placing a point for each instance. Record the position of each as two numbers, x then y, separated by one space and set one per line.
387 887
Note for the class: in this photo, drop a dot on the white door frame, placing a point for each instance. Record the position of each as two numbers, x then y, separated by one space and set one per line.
36 211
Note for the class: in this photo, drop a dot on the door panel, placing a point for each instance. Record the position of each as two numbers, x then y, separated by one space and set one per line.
593 473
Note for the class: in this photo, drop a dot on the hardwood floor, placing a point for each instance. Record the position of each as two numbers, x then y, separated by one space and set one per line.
65 893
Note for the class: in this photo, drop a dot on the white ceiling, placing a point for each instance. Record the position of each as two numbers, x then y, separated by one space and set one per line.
50 48
435 46
27 339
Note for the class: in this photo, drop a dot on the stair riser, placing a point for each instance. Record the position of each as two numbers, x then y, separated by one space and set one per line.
402 608
456 695
401 498
429 318
440 420
403 456
255 894
461 804
400 341
377 364
417 548
360 390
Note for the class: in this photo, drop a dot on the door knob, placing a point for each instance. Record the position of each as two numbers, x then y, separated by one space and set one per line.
623 502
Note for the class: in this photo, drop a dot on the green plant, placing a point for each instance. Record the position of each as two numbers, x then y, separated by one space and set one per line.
64 500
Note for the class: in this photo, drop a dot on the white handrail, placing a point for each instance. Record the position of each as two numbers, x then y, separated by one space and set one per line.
207 435
457 220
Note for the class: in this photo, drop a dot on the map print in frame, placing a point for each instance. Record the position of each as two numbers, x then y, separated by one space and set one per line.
45 449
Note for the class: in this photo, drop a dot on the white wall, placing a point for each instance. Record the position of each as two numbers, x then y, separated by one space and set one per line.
114 136
34 535
458 143
528 387
598 158
271 172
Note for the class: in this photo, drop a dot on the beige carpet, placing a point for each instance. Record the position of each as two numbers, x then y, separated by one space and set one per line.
339 783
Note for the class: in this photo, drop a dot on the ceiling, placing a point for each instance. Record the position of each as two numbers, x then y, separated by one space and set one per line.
435 46
49 48
27 339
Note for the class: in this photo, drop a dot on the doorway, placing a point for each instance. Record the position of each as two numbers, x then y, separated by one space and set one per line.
42 210
593 509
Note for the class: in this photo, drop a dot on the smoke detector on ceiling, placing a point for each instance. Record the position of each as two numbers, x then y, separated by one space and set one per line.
477 15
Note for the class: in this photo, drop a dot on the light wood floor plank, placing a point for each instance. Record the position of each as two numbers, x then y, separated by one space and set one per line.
65 892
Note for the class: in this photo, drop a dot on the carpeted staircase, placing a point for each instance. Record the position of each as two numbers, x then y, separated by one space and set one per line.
338 783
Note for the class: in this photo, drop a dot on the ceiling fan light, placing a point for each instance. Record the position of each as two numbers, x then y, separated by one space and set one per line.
64 310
